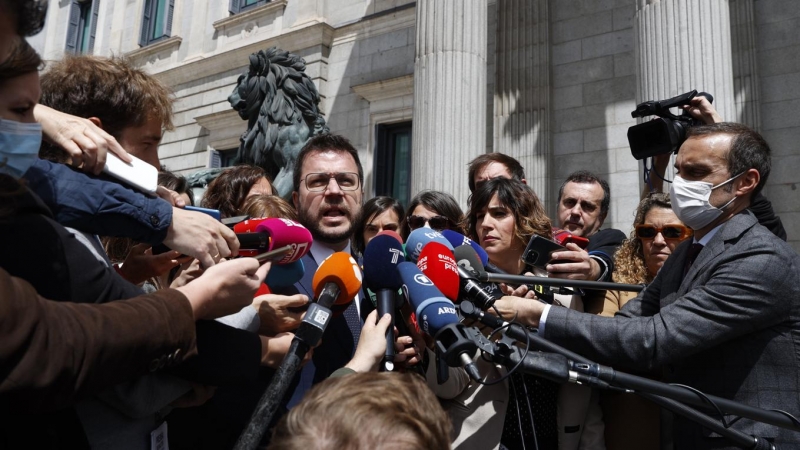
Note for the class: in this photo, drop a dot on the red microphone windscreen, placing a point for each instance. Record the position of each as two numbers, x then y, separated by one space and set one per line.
284 232
436 261
342 269
248 226
392 234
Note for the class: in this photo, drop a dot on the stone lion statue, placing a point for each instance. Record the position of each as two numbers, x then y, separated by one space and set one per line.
280 103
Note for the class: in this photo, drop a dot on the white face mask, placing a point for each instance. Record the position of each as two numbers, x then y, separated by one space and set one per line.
690 201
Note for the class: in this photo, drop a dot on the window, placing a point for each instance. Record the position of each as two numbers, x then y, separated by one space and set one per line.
238 6
156 21
393 161
223 158
82 26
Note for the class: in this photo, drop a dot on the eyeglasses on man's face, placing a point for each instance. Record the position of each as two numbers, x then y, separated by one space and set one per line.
669 231
318 182
435 222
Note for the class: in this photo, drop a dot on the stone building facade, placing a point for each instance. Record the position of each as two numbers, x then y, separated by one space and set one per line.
551 82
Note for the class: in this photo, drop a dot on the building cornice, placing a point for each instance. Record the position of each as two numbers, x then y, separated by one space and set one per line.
384 89
143 53
275 6
225 128
294 40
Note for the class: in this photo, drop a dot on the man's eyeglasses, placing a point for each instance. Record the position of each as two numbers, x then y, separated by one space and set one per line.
670 231
435 222
318 182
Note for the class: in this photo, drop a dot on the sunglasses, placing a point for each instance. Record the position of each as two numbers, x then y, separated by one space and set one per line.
435 222
676 231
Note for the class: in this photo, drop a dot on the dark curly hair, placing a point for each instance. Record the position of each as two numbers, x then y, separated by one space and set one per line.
629 265
228 192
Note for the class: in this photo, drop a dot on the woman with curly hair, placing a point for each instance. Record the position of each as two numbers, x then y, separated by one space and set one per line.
504 214
656 232
631 421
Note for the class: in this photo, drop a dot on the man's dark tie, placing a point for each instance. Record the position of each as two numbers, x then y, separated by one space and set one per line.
353 321
694 250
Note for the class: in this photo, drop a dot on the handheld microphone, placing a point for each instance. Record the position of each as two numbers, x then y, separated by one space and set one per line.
381 257
419 238
437 317
457 239
336 282
283 232
250 242
282 275
437 263
469 268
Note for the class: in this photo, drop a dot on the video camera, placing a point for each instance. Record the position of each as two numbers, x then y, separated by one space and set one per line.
666 133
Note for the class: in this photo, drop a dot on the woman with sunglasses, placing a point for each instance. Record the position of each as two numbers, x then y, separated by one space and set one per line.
631 421
433 209
503 216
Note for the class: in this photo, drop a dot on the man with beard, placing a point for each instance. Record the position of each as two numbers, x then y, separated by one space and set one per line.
328 181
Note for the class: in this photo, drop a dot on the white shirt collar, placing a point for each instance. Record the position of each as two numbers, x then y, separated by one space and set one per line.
708 236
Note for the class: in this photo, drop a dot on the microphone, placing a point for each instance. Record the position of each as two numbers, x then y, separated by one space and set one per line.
458 239
469 269
283 232
421 237
437 263
250 242
381 257
335 283
282 275
437 317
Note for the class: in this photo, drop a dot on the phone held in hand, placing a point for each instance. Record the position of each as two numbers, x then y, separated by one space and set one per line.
539 250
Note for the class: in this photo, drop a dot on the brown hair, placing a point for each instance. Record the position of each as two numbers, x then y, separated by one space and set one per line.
175 182
439 202
374 207
111 89
229 190
629 265
513 166
263 205
22 60
386 410
529 215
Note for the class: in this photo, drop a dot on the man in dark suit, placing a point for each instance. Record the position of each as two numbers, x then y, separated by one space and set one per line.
328 192
726 321
583 202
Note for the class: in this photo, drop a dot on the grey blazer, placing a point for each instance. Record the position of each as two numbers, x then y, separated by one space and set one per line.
730 328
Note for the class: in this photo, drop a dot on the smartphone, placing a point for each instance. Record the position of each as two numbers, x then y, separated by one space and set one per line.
138 173
539 250
564 237
211 212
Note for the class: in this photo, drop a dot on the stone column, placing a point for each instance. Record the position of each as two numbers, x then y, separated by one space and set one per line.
449 122
745 73
682 45
522 89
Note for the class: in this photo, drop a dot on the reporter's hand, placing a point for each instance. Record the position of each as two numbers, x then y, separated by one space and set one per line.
140 265
275 315
526 311
275 348
578 266
520 291
372 343
701 109
190 270
86 143
225 288
172 197
199 235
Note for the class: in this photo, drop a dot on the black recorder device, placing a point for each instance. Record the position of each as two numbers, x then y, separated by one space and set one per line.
539 251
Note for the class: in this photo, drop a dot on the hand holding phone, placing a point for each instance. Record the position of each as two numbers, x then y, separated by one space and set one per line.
539 252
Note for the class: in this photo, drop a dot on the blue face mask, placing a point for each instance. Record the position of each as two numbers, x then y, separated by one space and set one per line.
19 146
